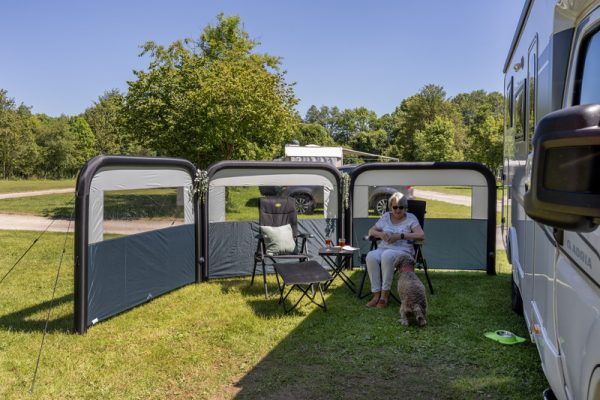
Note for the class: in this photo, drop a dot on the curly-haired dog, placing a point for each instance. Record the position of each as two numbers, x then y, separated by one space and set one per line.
413 306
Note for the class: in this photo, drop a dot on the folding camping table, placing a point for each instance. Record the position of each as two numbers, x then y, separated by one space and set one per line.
339 259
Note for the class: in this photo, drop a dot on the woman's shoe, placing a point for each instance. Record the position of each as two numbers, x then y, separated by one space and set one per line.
375 300
384 299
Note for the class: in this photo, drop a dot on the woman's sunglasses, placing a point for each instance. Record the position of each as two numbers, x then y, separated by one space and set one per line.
398 207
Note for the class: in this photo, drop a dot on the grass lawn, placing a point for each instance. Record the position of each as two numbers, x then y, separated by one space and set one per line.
222 339
122 204
27 185
58 205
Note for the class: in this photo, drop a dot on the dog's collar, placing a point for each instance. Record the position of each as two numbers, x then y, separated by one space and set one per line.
407 268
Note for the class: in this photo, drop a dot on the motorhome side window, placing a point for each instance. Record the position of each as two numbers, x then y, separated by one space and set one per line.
520 116
588 78
508 104
532 79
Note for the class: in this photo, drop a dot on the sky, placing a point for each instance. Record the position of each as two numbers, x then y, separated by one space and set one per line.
59 57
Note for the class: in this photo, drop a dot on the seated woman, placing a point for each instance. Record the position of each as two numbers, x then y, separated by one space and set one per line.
396 229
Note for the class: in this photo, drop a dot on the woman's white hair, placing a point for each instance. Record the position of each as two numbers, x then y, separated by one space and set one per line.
399 198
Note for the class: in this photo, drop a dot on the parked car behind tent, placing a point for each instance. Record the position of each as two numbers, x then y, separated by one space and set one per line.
310 197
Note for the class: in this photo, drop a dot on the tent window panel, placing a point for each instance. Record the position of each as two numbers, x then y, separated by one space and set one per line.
443 202
141 210
373 199
447 202
241 203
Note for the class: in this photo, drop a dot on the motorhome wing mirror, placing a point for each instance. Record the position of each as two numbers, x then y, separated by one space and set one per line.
565 181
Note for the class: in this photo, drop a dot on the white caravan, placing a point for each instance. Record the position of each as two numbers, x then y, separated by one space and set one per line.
332 155
551 197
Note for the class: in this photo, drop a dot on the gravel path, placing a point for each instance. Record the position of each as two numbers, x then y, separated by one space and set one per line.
35 223
449 198
34 193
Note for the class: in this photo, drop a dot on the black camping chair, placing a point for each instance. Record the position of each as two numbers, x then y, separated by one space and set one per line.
418 209
278 211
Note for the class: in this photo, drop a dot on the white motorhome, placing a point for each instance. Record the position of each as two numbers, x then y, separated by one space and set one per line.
332 155
551 197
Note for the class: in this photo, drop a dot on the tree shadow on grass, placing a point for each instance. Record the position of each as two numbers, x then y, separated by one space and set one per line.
23 320
64 212
261 306
350 351
253 202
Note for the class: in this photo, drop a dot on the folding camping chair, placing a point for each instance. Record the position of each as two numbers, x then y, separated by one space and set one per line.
277 212
418 209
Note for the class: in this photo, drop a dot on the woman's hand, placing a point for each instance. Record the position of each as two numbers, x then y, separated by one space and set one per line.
376 233
393 238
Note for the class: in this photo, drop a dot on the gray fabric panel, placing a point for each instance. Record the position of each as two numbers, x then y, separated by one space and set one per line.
231 245
451 243
131 270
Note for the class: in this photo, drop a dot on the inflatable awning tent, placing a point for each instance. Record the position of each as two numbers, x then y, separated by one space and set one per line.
113 274
452 243
230 245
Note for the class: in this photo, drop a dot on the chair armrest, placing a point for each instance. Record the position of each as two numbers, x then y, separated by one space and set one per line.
419 242
371 238
305 235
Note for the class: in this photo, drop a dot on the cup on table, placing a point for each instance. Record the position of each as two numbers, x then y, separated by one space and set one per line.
327 242
341 242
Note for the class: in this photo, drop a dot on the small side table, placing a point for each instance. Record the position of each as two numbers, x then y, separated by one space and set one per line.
304 276
338 259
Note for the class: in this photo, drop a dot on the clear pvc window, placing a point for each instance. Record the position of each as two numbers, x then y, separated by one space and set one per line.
134 211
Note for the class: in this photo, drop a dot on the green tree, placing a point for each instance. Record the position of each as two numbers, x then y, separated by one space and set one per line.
374 142
470 105
211 98
352 121
58 146
313 134
342 125
392 124
484 140
324 116
26 149
84 137
8 134
435 142
482 117
319 116
421 109
18 151
103 117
